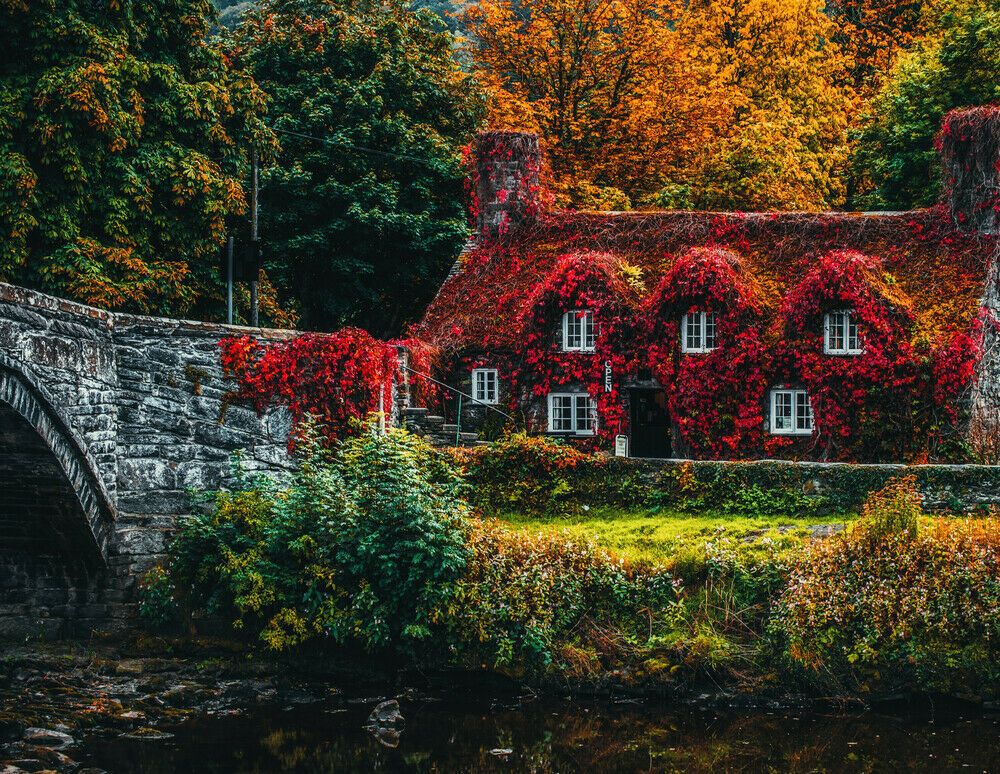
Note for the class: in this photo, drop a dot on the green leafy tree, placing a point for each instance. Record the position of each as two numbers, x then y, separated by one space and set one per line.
957 65
122 134
363 211
361 546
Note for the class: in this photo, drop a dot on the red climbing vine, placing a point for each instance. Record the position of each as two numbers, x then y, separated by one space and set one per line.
337 378
716 397
539 365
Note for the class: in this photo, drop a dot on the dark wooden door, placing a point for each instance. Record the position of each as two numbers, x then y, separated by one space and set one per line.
650 423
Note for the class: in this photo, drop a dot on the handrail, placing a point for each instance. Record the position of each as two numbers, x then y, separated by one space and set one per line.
490 406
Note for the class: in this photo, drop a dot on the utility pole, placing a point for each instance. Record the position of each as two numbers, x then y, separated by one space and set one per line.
230 272
254 317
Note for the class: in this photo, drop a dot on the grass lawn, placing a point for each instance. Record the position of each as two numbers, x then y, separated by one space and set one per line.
660 535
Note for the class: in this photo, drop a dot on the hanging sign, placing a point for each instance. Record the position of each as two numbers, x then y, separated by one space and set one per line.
607 376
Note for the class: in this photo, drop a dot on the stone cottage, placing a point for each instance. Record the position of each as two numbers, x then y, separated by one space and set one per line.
855 336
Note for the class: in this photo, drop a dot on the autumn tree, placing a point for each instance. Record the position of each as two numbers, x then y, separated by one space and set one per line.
956 64
783 78
122 134
873 34
363 211
708 104
607 84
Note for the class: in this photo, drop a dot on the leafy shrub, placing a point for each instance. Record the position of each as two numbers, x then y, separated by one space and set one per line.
889 604
893 511
538 475
359 546
535 602
157 607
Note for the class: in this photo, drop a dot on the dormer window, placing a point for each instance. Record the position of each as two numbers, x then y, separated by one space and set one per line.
578 331
840 334
698 332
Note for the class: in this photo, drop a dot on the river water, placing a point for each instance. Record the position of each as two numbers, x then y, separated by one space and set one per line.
526 735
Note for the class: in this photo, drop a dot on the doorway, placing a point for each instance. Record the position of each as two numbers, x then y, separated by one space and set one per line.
650 423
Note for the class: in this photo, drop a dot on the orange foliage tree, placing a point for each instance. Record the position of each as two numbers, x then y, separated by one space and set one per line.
607 84
730 104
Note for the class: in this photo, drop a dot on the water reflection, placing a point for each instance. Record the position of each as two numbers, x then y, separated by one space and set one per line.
475 736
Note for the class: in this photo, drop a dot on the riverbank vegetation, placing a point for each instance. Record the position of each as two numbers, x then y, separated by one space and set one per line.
373 546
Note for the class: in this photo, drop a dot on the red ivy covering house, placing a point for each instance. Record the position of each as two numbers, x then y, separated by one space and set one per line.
842 336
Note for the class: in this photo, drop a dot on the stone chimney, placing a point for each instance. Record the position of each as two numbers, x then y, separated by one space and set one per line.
507 182
969 144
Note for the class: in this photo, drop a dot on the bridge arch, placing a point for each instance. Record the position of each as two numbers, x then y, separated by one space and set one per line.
56 520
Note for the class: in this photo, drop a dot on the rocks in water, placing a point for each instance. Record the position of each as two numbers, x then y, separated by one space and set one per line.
47 737
385 723
386 714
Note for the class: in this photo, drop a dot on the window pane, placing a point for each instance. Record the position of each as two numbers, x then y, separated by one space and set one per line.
692 331
485 385
709 329
853 341
562 413
586 414
803 412
836 326
573 331
588 325
782 411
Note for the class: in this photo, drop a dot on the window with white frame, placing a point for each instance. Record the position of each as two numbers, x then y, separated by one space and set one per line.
840 334
791 412
574 413
698 332
485 385
578 331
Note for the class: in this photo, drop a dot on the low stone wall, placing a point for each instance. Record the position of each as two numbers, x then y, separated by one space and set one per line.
524 477
840 485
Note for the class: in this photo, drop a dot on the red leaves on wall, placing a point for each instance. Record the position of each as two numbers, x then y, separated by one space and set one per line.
336 377
716 398
896 400
587 281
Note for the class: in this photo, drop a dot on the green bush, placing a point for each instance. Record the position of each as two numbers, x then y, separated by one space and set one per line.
359 546
157 607
542 602
534 474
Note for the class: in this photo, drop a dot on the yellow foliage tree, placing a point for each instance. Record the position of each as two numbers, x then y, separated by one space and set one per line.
785 81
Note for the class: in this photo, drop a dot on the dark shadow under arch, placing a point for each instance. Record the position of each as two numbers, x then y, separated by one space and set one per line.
56 524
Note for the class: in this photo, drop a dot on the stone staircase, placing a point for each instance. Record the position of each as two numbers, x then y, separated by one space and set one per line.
434 428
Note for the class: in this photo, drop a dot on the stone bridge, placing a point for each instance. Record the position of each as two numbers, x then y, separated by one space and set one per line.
106 421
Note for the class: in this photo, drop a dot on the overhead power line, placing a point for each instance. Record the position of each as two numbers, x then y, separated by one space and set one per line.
351 146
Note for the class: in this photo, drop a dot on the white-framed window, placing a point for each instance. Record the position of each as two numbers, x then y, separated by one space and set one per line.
698 332
572 412
485 385
578 331
840 333
791 412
